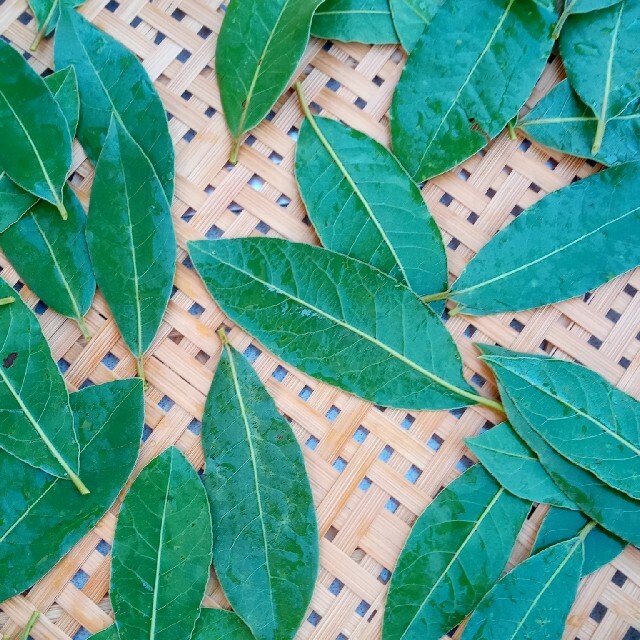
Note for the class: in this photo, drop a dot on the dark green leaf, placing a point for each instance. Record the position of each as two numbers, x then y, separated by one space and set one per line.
337 319
131 239
484 58
600 547
47 13
52 257
512 463
218 624
161 552
14 202
411 17
113 83
456 551
110 633
63 85
42 517
526 266
533 600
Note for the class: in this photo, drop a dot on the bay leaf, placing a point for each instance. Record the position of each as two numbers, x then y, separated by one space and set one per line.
113 84
218 624
42 517
525 266
533 600
47 13
110 633
39 156
63 85
265 534
600 52
455 553
484 58
411 17
580 6
323 312
257 56
600 547
367 21
512 463
131 240
14 202
161 551
560 121
365 205
52 257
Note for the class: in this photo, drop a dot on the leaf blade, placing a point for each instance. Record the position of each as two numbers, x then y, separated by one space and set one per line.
63 85
411 18
218 624
14 202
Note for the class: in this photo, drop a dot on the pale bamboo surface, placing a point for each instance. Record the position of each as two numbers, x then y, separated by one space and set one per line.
372 471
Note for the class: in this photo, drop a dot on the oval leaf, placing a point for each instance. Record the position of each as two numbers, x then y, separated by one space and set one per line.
63 85
42 517
14 202
47 14
218 624
456 551
485 59
411 18
161 552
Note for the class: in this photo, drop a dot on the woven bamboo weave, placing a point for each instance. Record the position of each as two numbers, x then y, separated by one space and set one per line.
373 471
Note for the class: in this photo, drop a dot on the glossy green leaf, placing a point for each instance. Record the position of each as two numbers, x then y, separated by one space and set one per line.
560 121
265 535
455 553
63 85
411 18
512 463
257 56
110 633
47 14
113 83
580 6
218 624
337 319
42 517
364 204
52 257
39 156
367 21
600 547
161 552
533 600
526 266
131 239
484 58
14 202
600 52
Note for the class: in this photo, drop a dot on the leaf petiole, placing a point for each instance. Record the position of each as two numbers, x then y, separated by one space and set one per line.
597 141
84 327
586 529
433 297
7 300
235 150
563 18
35 616
41 32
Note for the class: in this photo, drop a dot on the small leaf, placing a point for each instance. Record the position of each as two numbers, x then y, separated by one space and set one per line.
411 17
14 202
579 6
63 85
161 552
47 13
512 463
42 517
456 551
265 535
218 624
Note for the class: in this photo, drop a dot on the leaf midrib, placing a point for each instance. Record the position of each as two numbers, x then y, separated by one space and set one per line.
351 12
543 121
609 73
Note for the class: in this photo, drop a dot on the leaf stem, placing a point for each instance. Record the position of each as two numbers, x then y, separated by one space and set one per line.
7 300
141 373
222 334
587 529
563 18
512 130
597 141
35 616
84 327
235 150
432 297
45 25
61 208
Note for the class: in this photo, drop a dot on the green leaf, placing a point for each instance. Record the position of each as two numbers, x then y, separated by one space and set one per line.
218 624
600 54
533 600
512 463
52 257
337 312
47 14
411 17
63 85
131 240
265 535
110 633
560 121
39 156
113 83
364 204
14 202
600 547
161 552
525 266
455 553
42 517
367 21
257 56
484 58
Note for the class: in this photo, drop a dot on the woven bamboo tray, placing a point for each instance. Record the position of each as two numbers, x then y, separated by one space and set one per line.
372 471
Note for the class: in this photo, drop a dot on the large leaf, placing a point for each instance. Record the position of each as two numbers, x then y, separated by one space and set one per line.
161 552
411 17
38 157
42 517
52 257
265 535
367 21
337 319
47 14
562 122
364 204
600 54
113 83
512 463
259 47
218 624
526 266
470 73
533 600
14 202
455 553
600 547
131 240
63 85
